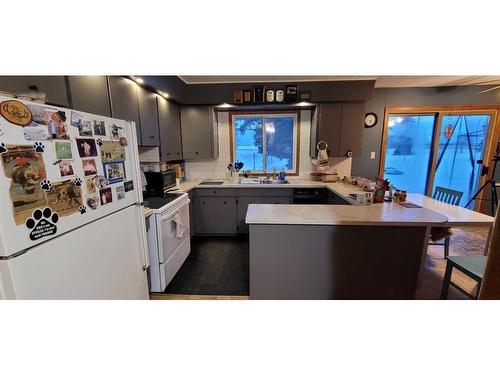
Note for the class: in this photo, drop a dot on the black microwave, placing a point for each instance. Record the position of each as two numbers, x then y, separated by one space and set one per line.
158 183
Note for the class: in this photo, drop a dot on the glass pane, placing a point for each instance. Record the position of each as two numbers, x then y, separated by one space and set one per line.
279 143
461 145
408 152
248 142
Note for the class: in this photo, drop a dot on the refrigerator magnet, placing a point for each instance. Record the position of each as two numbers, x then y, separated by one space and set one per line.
93 201
128 185
42 223
15 112
3 148
120 192
106 196
114 171
123 141
100 182
63 150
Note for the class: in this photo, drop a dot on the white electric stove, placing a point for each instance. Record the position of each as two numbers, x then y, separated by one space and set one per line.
169 241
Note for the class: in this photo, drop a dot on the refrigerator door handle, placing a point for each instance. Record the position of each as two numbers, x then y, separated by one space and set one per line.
143 237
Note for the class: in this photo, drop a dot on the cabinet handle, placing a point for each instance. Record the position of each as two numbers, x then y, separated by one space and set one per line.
168 153
33 87
177 153
224 202
151 136
196 152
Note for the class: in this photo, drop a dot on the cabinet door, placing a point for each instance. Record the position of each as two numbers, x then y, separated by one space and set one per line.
197 132
204 215
352 128
192 230
242 207
53 86
90 94
123 93
329 126
148 115
225 215
170 130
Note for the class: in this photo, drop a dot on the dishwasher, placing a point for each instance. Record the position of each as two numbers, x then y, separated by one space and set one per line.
310 196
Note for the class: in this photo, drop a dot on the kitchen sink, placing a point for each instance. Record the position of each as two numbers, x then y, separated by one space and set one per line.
256 181
211 183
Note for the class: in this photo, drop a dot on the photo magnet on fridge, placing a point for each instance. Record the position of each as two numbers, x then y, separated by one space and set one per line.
65 197
106 196
42 223
114 171
25 169
93 201
128 185
46 124
86 147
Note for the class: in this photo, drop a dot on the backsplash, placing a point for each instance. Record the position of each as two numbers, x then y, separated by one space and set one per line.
216 169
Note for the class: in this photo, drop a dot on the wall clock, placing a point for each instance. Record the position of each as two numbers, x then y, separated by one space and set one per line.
370 120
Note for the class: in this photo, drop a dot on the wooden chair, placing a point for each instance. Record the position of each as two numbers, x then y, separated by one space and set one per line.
452 197
472 266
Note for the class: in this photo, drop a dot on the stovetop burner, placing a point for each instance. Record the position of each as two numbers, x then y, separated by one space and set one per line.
158 202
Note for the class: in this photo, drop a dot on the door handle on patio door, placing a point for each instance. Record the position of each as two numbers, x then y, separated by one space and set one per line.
484 170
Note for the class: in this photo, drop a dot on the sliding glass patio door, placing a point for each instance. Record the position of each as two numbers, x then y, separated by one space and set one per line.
426 149
460 153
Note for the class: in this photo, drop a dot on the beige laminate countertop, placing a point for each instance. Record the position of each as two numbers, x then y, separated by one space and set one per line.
432 212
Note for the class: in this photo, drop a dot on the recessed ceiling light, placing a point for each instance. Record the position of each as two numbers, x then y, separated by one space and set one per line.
139 80
164 94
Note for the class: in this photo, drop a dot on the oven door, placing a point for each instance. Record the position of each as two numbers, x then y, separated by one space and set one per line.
173 229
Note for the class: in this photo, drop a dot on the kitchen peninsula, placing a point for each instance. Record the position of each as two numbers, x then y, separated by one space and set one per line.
341 250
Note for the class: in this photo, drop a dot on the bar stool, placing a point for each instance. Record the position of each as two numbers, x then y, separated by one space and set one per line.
472 266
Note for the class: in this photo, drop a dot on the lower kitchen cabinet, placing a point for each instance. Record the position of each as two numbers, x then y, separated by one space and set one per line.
242 206
215 215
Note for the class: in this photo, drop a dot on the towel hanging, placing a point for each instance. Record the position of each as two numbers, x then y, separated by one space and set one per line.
322 155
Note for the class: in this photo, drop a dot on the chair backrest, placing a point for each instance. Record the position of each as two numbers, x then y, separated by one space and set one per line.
447 195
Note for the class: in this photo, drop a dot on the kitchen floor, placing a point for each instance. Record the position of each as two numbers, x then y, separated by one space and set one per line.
217 268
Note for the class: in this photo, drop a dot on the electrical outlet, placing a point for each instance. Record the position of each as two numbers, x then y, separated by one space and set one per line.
372 155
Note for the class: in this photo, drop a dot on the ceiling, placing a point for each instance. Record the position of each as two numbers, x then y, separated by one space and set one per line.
381 81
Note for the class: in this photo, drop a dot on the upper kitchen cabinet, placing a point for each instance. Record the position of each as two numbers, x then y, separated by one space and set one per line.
199 133
328 120
340 125
124 105
53 86
148 115
351 134
90 94
170 130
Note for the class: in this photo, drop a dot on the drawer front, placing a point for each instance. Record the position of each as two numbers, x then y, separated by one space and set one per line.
170 234
170 268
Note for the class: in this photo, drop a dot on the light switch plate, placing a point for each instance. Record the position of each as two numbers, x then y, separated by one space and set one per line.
372 155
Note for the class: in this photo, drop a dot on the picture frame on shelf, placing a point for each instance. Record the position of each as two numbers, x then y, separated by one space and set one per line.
258 94
247 96
291 93
238 96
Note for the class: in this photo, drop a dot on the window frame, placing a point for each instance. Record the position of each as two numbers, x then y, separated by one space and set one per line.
439 112
267 113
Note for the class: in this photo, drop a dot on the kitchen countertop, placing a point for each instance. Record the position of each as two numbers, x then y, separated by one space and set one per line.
432 212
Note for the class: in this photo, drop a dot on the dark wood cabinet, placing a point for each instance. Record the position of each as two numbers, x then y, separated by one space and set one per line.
170 130
90 94
148 116
199 133
54 87
340 125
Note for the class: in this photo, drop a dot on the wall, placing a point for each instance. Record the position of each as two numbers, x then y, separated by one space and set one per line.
381 98
216 169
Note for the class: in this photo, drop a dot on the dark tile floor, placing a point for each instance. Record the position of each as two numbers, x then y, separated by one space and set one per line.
215 266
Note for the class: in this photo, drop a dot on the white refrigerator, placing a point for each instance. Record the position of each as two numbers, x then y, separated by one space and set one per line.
71 219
